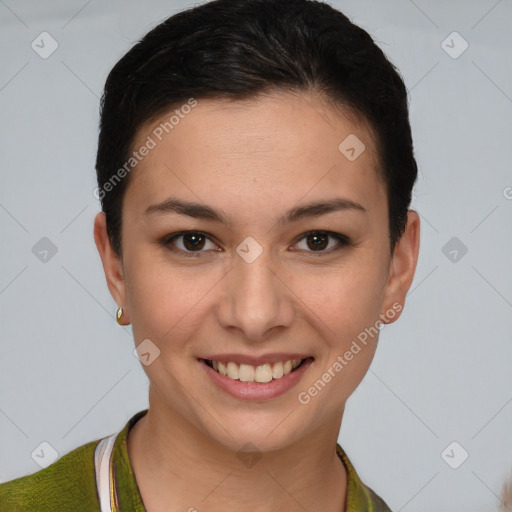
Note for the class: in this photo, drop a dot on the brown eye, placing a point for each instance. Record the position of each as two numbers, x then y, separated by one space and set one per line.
193 241
318 241
188 243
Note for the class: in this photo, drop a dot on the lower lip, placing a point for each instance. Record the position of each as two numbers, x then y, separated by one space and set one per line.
257 390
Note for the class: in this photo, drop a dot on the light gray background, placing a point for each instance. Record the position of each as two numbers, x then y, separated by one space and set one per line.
442 373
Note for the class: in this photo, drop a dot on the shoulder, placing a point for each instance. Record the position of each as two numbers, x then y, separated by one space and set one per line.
379 505
67 484
360 497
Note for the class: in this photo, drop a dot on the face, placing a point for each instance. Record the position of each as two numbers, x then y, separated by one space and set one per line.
228 264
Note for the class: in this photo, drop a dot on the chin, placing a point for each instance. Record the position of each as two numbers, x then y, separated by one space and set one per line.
268 432
255 441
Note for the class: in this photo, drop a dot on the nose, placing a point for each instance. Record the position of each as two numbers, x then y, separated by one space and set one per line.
255 299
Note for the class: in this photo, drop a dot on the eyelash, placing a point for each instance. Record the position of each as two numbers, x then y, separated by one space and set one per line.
342 239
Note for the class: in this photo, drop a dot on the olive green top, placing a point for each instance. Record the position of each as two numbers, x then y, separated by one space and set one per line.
69 484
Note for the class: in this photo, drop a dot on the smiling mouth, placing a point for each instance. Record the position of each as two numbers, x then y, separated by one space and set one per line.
263 373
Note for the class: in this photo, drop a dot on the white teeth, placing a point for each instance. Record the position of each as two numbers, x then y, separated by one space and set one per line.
246 373
277 370
262 373
232 371
222 369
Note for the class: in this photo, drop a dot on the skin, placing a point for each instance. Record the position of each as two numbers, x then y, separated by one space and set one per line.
252 160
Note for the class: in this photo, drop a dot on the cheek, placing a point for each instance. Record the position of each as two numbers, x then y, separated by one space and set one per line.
345 300
345 307
168 303
165 302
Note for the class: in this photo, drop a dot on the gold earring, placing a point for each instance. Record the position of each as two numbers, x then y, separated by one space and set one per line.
119 315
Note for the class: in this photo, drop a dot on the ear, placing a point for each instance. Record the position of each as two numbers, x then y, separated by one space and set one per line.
402 268
112 264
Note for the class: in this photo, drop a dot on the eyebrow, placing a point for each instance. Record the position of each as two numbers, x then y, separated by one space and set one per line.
200 211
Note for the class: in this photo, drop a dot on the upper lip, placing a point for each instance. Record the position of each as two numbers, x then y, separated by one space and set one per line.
256 360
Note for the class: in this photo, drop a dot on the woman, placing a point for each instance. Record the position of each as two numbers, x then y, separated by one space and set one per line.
255 168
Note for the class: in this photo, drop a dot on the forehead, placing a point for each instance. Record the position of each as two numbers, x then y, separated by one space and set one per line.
282 145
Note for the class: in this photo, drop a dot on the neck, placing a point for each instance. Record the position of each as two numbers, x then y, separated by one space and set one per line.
178 468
